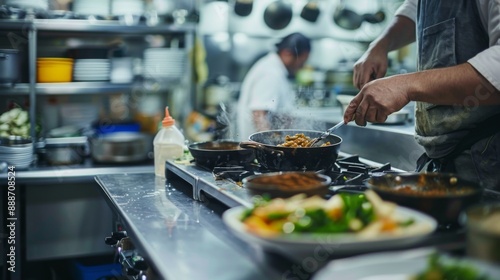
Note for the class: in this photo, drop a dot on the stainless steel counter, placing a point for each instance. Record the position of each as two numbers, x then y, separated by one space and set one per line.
183 238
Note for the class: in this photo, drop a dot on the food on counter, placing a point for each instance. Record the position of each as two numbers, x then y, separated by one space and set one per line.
439 270
437 191
365 214
290 180
299 140
15 122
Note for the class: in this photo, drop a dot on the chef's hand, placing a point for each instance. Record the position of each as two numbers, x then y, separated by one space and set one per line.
377 100
372 65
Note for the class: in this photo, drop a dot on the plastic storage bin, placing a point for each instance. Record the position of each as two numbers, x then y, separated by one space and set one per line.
87 271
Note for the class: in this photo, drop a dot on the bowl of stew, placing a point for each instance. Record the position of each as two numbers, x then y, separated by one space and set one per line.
286 184
441 195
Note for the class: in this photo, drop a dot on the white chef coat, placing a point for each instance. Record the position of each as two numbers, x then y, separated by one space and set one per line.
486 62
265 88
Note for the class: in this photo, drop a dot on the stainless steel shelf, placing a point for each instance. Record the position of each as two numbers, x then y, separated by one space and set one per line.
99 26
107 26
17 89
67 88
15 25
80 88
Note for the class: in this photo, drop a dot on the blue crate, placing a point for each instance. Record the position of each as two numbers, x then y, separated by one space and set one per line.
85 271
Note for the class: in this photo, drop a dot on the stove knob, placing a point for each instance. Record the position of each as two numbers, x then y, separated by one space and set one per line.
110 241
115 237
139 263
118 235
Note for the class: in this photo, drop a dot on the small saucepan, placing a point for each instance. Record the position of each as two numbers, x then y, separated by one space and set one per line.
220 153
441 195
274 157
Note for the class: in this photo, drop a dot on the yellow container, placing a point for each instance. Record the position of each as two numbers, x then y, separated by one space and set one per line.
54 70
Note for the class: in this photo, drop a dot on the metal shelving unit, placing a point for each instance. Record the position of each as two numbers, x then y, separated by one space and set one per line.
31 30
68 88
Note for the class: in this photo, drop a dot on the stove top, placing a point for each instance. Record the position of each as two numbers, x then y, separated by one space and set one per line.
224 183
348 170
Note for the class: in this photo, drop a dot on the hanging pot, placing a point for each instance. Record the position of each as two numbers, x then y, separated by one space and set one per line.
310 12
243 8
9 66
278 15
350 20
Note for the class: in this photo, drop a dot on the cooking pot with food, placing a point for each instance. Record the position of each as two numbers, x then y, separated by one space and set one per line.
286 184
442 196
272 155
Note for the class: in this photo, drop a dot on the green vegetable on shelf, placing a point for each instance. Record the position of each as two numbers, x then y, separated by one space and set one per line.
15 122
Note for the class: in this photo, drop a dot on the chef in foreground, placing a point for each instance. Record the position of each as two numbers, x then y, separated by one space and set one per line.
456 87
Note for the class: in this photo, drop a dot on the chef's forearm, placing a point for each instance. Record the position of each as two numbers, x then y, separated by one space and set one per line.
401 32
456 85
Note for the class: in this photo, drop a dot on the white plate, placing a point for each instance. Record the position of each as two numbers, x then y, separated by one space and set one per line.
15 150
301 246
399 265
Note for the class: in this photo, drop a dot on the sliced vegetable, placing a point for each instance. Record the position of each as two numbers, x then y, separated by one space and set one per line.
342 213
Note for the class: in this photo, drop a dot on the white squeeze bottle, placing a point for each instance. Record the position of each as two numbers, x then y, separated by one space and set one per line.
168 144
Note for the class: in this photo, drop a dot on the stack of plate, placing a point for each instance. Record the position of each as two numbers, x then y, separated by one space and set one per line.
35 4
16 152
164 62
91 70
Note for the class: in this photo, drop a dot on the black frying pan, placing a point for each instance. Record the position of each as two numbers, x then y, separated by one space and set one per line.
273 157
220 153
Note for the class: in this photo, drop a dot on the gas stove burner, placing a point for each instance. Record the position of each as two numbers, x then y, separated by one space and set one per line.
346 171
235 173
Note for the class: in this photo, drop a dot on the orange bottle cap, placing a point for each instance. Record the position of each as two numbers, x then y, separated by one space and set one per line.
168 120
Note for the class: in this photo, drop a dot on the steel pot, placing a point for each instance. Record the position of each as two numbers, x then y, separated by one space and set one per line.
442 196
65 150
220 153
9 66
273 157
120 147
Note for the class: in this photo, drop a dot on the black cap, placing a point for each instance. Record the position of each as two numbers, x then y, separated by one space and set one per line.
295 42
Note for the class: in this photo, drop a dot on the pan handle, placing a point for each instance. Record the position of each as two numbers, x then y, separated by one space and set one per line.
258 146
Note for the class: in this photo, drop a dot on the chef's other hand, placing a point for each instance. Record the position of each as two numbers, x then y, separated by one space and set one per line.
372 65
377 100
